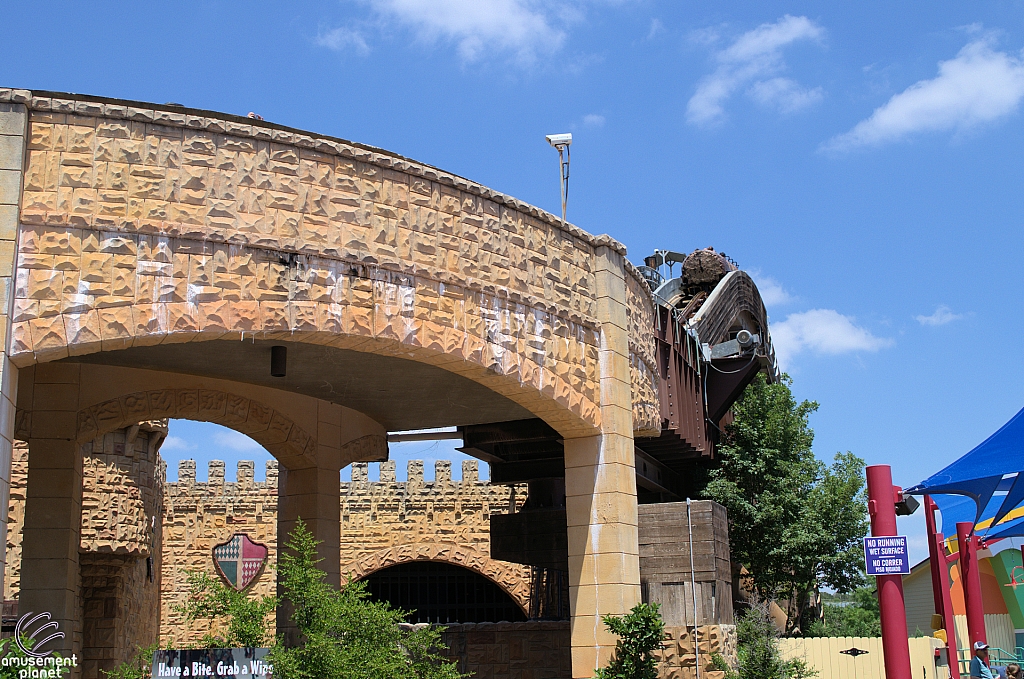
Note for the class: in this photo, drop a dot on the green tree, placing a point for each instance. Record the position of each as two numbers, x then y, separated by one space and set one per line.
640 633
344 635
794 522
855 616
243 620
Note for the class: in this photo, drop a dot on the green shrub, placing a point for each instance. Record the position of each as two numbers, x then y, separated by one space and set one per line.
244 620
139 667
758 650
344 635
640 632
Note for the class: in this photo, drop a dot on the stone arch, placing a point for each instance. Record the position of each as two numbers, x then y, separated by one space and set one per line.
487 345
511 578
288 426
208 228
273 430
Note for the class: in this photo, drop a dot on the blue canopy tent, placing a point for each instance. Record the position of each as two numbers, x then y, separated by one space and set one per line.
984 486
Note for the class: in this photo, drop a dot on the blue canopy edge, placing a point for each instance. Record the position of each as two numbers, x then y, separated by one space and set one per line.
989 476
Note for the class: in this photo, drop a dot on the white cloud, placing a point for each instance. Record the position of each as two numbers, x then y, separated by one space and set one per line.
772 292
340 39
704 37
754 59
523 28
656 28
821 331
176 443
236 441
784 94
593 120
942 315
978 86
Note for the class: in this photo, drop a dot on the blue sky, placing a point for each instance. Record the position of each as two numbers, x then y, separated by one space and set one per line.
864 160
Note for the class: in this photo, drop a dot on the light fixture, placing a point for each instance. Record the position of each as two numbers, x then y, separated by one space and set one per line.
278 361
562 143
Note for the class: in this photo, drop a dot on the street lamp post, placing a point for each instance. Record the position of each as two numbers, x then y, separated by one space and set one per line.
562 142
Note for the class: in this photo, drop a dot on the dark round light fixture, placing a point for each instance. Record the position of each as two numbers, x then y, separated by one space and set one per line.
278 361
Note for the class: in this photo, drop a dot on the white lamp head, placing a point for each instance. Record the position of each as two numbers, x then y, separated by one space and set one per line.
557 140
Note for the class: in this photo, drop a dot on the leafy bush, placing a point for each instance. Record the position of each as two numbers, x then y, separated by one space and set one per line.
245 619
344 634
758 650
640 632
139 667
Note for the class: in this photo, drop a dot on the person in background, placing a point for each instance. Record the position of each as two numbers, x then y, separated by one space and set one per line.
979 663
1013 671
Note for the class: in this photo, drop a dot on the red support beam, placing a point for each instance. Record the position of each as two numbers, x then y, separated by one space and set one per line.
970 578
940 585
882 510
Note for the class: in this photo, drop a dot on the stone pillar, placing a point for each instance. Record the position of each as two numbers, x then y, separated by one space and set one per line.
53 502
314 495
600 487
13 132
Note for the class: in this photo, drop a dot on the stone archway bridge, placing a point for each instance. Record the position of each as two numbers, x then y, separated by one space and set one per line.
152 255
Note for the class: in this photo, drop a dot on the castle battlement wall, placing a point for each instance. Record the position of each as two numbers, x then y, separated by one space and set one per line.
383 522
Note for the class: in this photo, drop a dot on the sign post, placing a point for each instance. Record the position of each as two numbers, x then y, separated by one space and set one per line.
886 555
888 563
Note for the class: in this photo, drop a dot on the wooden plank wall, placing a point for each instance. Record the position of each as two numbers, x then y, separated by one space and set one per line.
665 561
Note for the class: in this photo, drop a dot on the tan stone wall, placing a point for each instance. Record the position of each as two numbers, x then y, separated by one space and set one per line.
382 523
510 650
643 355
540 650
678 659
123 487
120 548
199 516
120 595
386 522
122 495
16 520
139 224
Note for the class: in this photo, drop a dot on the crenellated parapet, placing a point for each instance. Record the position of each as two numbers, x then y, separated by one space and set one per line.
387 522
216 485
198 515
381 514
383 522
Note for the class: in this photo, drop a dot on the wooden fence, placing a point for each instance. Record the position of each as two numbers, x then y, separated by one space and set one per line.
823 654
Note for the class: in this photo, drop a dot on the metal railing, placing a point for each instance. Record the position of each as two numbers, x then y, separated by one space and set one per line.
997 657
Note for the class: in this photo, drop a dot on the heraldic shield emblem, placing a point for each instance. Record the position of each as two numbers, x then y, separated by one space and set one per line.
240 560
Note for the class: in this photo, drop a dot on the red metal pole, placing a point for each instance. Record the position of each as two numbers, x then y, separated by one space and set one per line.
970 577
940 585
882 510
933 555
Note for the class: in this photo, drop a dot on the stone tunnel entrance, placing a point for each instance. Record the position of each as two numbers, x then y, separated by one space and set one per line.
442 593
